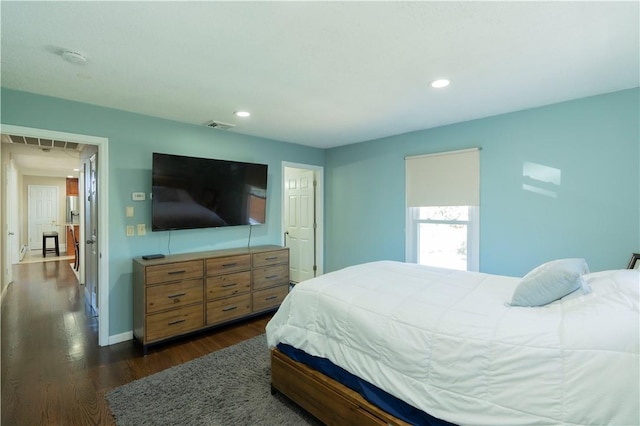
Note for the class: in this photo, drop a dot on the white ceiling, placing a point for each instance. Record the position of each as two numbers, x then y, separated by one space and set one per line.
321 74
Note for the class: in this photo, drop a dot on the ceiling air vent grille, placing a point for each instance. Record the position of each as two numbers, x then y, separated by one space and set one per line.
44 143
220 125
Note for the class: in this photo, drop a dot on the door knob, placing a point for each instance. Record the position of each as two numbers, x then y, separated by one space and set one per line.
91 241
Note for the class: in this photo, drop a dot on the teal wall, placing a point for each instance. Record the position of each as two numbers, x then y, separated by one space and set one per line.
132 139
594 142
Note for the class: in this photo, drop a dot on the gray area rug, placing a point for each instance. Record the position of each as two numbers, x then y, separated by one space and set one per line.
227 387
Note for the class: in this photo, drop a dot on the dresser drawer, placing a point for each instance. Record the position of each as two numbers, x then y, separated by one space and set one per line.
228 309
228 285
174 295
228 264
270 276
269 298
174 322
174 272
270 258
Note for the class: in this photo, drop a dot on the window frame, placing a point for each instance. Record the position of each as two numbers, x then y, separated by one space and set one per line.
473 235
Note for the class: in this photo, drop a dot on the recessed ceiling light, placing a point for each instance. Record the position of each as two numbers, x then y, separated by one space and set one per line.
242 114
439 84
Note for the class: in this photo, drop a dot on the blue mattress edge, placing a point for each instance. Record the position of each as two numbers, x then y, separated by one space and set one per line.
368 391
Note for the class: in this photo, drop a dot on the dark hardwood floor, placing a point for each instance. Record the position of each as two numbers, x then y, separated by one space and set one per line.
54 372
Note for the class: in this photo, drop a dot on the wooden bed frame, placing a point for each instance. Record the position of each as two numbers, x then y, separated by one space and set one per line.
326 399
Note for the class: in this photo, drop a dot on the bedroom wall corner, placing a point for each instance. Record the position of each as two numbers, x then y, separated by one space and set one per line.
589 207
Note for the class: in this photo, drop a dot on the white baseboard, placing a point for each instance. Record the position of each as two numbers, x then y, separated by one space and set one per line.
90 299
118 338
122 337
4 292
23 251
87 295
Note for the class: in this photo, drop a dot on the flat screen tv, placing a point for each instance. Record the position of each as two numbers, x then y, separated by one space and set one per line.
191 192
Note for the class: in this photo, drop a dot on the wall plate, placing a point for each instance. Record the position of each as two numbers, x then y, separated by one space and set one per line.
138 196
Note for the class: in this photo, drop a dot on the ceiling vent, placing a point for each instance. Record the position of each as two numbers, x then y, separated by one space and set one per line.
220 125
43 143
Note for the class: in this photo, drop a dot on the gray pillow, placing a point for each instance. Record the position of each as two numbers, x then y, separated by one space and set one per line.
549 282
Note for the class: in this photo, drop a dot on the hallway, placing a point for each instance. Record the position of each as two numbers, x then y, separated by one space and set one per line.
54 372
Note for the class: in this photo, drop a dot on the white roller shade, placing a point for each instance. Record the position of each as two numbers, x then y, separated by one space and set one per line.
444 179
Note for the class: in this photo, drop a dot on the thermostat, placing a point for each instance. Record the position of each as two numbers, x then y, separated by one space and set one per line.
138 196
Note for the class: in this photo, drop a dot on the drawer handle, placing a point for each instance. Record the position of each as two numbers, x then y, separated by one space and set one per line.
228 265
270 277
171 296
176 272
271 297
176 322
229 285
229 308
271 258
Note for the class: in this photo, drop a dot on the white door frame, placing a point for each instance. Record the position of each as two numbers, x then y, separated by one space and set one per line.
81 236
319 171
103 210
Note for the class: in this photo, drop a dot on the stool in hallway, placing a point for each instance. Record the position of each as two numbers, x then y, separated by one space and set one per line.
55 249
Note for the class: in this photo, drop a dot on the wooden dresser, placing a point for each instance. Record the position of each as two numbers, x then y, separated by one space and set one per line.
184 293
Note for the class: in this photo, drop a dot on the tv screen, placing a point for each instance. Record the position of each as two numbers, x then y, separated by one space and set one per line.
191 192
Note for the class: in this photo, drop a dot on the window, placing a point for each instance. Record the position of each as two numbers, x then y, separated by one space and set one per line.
444 236
443 192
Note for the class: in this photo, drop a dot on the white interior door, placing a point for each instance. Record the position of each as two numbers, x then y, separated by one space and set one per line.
11 255
91 231
43 213
300 223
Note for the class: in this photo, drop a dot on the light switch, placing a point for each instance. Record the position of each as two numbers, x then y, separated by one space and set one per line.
130 231
141 229
129 211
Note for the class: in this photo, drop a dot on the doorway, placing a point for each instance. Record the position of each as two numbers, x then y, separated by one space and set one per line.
102 273
303 219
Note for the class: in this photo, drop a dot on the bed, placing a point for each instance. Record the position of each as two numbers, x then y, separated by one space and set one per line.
451 346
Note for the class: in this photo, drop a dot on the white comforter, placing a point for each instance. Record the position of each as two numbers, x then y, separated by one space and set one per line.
445 342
